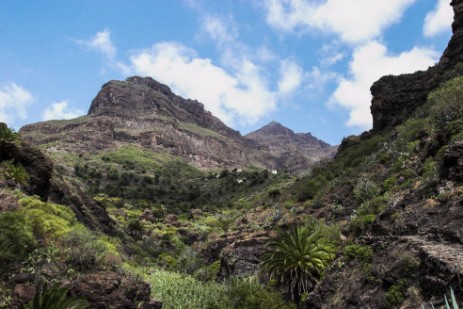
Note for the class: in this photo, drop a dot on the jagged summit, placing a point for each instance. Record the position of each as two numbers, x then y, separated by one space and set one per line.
274 128
145 98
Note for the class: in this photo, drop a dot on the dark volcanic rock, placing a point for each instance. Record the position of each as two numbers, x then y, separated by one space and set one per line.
451 167
138 96
109 289
396 97
38 166
87 211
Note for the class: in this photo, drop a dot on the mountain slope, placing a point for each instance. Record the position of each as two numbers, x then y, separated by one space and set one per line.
294 151
141 111
396 193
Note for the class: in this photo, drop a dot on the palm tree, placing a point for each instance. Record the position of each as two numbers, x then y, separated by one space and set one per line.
7 135
16 173
297 259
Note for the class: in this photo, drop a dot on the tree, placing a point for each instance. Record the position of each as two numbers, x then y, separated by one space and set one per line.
7 135
297 259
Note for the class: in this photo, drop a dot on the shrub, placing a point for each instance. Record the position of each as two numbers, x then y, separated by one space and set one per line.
16 241
16 173
365 190
84 249
49 221
447 103
359 224
135 228
249 293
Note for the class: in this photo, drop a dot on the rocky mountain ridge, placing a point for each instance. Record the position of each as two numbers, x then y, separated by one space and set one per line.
145 112
294 151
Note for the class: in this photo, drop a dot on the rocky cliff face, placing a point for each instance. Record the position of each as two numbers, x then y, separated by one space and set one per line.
144 112
295 151
415 242
396 97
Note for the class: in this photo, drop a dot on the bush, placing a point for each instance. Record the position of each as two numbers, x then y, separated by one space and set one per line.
365 190
49 221
184 291
447 103
249 293
16 241
84 249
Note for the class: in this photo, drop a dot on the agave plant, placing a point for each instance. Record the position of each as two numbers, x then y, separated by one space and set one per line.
55 298
453 302
297 260
16 173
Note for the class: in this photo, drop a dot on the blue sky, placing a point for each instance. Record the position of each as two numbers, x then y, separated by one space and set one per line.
308 64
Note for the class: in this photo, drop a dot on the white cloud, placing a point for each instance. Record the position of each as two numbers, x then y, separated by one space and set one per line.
318 79
14 101
370 62
291 76
354 21
240 96
102 43
220 30
439 20
61 110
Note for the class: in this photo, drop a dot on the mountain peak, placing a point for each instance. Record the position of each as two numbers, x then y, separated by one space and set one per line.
274 128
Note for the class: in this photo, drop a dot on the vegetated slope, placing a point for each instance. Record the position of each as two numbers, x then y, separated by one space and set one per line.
396 191
144 112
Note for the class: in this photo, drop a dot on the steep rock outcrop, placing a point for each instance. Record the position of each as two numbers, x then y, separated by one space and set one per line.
39 167
396 97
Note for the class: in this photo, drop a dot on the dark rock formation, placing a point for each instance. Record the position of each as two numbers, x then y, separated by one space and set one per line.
451 167
86 209
242 257
396 97
109 289
38 166
293 152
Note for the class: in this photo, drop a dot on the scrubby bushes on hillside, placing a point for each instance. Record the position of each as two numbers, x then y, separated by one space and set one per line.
16 241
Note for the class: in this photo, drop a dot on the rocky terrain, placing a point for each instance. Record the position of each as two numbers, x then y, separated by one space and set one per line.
150 201
294 151
144 112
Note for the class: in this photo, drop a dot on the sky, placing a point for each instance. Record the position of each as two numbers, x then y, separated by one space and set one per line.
308 64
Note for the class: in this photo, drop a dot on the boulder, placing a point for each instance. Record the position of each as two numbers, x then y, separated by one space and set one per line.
110 289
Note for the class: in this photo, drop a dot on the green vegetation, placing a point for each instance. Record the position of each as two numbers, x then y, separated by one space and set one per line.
13 172
297 259
183 291
16 240
55 297
8 135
